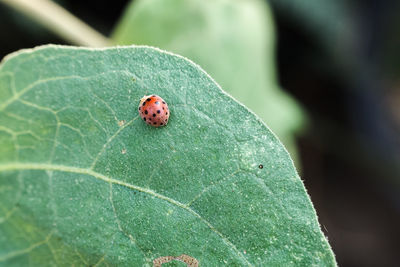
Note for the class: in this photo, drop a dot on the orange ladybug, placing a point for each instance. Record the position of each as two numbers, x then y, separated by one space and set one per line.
154 110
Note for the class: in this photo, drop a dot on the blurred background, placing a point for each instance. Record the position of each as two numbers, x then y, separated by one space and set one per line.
323 74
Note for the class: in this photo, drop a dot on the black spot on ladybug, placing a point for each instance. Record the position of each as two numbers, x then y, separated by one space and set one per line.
166 113
161 123
139 108
163 108
148 99
144 119
146 112
153 95
163 102
154 114
157 103
155 123
260 166
149 119
144 103
158 111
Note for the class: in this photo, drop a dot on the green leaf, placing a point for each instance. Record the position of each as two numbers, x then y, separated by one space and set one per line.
85 182
232 40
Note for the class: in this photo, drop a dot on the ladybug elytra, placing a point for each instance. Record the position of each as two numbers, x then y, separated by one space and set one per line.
154 110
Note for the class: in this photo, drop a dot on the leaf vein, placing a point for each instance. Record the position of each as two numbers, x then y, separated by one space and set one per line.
16 253
131 238
90 172
208 188
32 85
109 141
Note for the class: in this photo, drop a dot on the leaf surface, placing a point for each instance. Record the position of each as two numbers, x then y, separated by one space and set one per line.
85 182
234 41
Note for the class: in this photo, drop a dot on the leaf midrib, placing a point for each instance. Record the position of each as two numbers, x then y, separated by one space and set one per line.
110 180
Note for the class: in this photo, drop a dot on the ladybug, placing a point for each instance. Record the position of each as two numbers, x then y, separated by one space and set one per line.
154 110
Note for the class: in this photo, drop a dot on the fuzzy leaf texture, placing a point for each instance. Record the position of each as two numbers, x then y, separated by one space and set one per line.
85 182
233 40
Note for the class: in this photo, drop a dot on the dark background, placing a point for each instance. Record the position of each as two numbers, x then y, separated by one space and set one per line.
349 85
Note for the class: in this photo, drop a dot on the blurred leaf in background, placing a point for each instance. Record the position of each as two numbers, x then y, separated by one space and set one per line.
330 22
232 40
355 49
